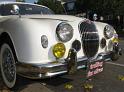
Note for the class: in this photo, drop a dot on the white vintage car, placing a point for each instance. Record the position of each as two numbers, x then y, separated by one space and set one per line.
36 43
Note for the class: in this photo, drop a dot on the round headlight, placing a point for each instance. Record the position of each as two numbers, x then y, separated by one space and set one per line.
44 41
64 32
59 50
108 31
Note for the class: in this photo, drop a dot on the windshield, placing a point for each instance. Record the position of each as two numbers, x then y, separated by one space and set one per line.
25 9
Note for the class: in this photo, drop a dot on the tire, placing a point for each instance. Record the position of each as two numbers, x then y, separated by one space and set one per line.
115 56
7 65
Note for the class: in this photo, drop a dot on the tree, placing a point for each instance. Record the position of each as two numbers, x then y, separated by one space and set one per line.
52 4
103 7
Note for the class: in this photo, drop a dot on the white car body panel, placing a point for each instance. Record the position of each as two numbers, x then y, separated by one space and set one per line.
27 42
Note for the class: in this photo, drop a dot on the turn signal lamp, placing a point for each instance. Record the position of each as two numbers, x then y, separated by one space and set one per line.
115 40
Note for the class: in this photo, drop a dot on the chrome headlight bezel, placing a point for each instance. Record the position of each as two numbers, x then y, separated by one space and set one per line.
64 32
108 31
44 41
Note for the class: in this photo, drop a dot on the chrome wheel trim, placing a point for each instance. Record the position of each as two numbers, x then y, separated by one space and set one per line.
8 67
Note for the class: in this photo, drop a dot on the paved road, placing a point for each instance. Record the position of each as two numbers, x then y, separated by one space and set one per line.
108 81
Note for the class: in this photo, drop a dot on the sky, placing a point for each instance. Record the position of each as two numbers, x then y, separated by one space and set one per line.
29 1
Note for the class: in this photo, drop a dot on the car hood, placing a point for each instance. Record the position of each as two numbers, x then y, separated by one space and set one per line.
52 17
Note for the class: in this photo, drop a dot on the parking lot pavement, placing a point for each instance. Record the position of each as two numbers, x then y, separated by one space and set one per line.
25 85
111 80
108 81
36 87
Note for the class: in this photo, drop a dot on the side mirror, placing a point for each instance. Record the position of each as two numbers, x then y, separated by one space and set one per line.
15 10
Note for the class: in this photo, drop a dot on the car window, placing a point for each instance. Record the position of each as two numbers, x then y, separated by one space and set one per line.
26 9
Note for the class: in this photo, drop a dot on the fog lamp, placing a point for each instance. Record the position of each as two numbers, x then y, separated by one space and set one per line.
115 40
59 50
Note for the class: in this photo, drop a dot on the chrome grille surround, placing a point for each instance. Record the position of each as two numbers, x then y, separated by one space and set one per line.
89 38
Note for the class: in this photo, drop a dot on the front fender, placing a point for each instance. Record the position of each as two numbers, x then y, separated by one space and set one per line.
26 36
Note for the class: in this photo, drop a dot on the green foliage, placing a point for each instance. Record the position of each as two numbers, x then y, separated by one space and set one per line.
52 4
79 5
103 7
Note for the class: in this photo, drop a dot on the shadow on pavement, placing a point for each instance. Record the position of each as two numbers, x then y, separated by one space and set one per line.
21 84
28 85
3 88
56 81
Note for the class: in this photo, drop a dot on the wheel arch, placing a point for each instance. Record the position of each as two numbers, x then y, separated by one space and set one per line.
6 38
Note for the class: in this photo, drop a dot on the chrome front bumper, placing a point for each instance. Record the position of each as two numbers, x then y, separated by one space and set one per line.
37 71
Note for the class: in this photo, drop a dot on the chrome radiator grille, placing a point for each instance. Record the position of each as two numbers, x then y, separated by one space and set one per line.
90 38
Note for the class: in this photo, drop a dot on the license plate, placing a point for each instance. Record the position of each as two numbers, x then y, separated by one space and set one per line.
94 68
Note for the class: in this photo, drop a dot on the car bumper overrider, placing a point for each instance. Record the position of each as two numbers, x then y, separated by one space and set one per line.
116 53
71 64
